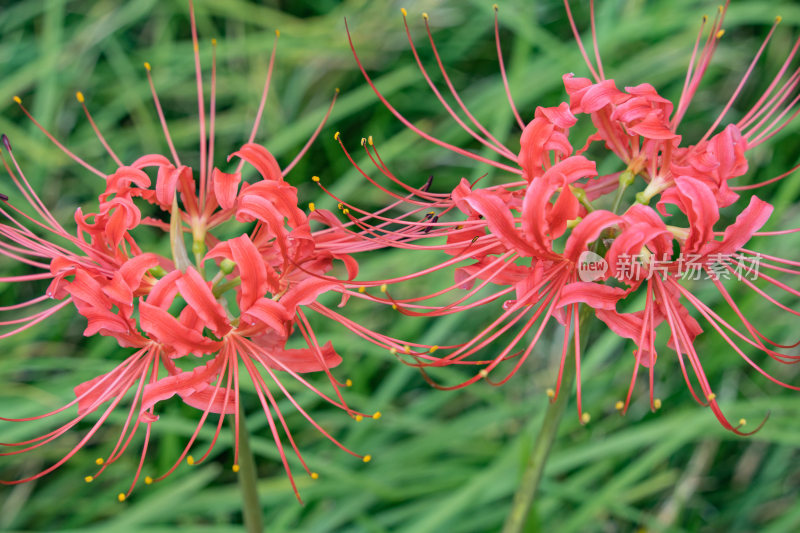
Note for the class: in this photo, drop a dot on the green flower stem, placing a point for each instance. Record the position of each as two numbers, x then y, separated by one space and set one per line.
528 487
251 508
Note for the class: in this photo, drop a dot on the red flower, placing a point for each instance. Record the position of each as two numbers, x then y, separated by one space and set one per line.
532 237
170 308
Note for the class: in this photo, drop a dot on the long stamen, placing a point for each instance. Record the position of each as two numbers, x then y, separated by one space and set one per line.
161 117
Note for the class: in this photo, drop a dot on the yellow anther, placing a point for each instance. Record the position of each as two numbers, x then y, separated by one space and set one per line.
312 206
190 460
99 461
720 8
79 96
742 422
277 33
340 205
88 479
345 211
720 33
393 351
337 90
407 348
711 397
657 403
483 373
369 140
213 42
121 497
367 458
363 141
585 417
361 289
359 418
196 47
148 480
17 99
314 475
551 393
336 136
619 405
705 19
383 288
348 383
147 66
394 306
433 348
403 11
315 179
376 415
495 7
425 16
235 468
778 19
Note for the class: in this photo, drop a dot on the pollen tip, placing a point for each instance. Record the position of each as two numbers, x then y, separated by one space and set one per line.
720 33
551 393
367 458
393 351
403 11
336 136
495 7
189 460
337 90
315 179
314 475
394 306
348 383
778 19
711 397
433 348
657 403
358 418
148 480
88 479
312 206
147 66
483 373
363 141
742 422
79 96
369 140
277 33
345 211
376 415
406 349
383 288
705 19
121 497
425 16
99 461
619 405
235 468
362 289
18 100
585 418
6 142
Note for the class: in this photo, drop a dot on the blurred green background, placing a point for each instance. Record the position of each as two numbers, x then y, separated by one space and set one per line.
442 461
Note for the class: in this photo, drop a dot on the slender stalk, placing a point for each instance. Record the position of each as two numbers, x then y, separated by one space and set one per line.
251 508
528 487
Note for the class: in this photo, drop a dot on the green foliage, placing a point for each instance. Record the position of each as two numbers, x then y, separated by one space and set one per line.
442 461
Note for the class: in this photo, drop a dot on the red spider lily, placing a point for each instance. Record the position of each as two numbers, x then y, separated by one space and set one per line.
239 300
527 237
